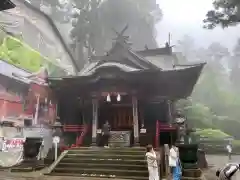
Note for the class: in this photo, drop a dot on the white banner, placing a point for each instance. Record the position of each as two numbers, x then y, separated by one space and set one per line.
14 144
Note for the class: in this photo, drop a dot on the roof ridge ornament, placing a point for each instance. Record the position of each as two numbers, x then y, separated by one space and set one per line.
120 36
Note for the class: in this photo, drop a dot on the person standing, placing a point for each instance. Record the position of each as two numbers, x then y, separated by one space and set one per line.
229 149
106 134
174 163
152 163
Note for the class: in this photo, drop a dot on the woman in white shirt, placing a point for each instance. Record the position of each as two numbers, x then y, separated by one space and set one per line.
152 163
174 163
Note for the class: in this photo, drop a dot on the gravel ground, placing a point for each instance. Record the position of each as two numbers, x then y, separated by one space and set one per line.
218 161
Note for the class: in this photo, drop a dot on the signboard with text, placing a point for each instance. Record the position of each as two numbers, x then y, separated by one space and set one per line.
13 144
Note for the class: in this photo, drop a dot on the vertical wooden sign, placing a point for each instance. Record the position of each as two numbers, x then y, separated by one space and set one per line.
135 120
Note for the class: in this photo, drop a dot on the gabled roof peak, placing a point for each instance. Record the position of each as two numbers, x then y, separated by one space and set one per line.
120 36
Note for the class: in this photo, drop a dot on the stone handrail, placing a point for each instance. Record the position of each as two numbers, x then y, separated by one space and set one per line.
55 163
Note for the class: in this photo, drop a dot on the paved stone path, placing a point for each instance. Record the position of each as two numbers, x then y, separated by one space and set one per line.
218 161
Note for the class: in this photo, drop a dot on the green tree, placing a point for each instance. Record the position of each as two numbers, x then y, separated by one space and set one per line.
95 24
59 10
226 13
198 115
186 46
211 88
234 66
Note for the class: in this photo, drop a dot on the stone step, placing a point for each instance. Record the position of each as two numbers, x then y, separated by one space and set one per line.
105 151
192 173
191 178
100 176
27 169
110 149
110 156
106 165
103 160
107 172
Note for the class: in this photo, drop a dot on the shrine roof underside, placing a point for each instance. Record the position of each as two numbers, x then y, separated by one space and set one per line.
174 84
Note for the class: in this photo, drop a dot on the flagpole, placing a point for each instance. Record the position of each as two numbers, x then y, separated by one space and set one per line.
37 109
39 41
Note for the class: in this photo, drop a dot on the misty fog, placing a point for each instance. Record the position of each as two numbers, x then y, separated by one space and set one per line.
88 28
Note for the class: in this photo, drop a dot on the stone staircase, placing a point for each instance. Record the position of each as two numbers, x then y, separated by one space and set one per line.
121 163
28 166
191 174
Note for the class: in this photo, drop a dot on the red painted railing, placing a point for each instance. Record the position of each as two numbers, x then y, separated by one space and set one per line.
79 140
162 127
82 129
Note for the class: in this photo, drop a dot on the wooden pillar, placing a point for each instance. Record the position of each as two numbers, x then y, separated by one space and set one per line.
135 121
94 121
170 116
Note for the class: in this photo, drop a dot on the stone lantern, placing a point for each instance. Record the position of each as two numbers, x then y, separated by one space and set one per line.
188 150
57 129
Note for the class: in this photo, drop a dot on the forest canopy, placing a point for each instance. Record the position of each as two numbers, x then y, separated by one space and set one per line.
215 101
225 13
93 23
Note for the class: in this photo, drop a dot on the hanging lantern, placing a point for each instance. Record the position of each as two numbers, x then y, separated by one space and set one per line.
118 97
108 98
46 100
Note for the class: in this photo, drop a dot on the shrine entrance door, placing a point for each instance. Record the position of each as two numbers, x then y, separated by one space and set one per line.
120 117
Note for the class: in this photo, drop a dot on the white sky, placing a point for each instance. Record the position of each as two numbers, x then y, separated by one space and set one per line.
182 17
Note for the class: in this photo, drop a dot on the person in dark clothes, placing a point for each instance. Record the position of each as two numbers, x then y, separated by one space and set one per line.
106 134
